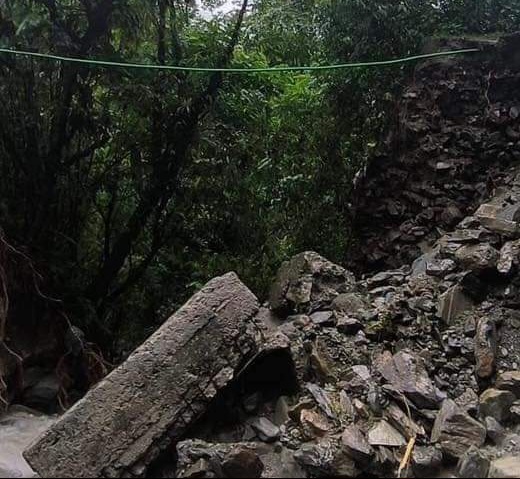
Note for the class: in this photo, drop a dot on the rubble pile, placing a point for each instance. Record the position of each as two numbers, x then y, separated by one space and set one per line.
459 126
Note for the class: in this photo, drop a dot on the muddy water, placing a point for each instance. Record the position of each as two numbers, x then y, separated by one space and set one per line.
18 428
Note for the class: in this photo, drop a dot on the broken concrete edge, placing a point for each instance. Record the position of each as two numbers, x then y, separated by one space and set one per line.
148 402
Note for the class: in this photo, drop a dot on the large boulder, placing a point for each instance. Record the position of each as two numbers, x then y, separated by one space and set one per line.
123 423
308 282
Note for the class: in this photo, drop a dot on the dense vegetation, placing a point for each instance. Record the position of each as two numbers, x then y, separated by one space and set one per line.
127 189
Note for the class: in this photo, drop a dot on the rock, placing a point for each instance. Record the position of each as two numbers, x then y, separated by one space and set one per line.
495 430
473 464
426 461
323 318
485 347
308 282
496 404
383 434
440 267
505 467
356 445
158 391
515 412
455 431
242 463
349 303
468 401
509 381
348 325
407 374
453 303
509 257
265 429
322 399
357 378
478 257
325 459
41 390
314 424
196 458
402 422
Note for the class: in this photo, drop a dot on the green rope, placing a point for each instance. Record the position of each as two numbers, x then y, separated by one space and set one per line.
103 63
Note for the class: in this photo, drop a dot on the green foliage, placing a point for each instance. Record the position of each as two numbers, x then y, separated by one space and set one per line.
178 184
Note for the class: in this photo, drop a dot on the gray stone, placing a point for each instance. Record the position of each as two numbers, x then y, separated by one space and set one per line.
407 374
509 381
350 326
349 303
496 404
322 399
509 257
468 401
308 282
161 388
403 422
383 434
326 458
505 468
426 461
495 431
452 303
265 429
455 431
323 318
440 267
515 412
502 220
356 444
473 464
478 257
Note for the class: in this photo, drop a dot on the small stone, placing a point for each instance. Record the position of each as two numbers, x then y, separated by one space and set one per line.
509 381
426 461
505 467
265 429
322 399
314 423
383 434
455 431
323 318
356 444
348 325
440 267
349 303
515 412
361 339
468 401
473 464
478 257
201 468
403 422
509 257
496 404
495 430
357 378
242 463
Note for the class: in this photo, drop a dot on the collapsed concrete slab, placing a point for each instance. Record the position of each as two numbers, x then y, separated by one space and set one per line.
147 403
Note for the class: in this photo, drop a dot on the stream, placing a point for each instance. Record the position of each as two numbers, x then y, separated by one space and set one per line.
18 428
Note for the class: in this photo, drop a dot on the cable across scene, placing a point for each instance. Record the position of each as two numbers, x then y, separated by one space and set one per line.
276 69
